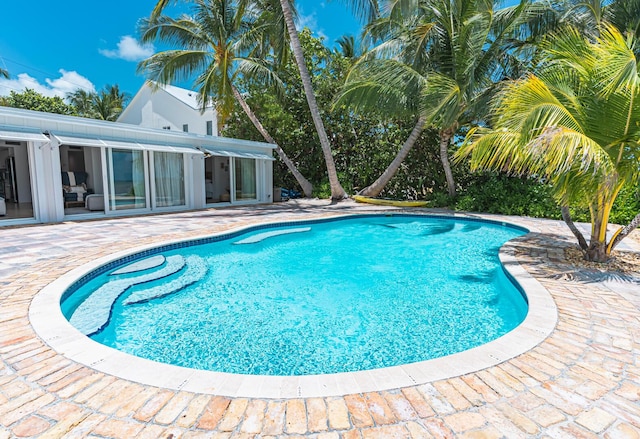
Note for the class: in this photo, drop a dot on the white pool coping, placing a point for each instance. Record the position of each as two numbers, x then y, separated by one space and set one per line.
50 324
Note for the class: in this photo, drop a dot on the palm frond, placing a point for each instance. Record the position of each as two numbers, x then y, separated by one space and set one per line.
174 65
382 85
261 70
617 67
441 100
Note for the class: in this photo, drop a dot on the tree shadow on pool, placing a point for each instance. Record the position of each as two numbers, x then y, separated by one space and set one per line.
481 278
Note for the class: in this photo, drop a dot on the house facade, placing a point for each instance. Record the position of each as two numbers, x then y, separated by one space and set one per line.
170 108
54 168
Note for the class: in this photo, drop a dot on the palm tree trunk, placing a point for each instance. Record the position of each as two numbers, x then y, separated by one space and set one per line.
337 192
597 251
624 232
306 186
566 216
376 187
445 140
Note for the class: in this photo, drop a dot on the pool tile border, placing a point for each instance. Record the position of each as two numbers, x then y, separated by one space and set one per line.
49 323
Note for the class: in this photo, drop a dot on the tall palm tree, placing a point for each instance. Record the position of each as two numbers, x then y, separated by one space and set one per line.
576 123
386 87
215 44
439 59
337 192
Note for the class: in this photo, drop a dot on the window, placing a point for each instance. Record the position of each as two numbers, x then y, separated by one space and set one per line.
245 179
167 127
127 189
169 179
185 127
209 128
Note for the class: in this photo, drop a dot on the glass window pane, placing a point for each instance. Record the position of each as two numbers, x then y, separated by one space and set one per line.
169 179
245 179
127 188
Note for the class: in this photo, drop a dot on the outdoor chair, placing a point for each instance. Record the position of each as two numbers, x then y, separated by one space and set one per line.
74 187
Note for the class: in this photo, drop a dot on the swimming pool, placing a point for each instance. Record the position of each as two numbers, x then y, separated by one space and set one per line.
310 298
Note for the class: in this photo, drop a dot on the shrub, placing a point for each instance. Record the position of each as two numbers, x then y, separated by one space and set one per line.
500 194
493 193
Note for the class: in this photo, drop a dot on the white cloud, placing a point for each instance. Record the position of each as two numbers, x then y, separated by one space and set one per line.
311 22
66 83
69 82
129 49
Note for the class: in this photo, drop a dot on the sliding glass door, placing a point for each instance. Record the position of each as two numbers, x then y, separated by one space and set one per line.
169 179
245 179
127 183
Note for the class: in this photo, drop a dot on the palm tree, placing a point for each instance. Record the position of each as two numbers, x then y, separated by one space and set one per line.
587 16
439 59
82 100
4 73
576 123
215 44
121 98
337 192
625 16
347 45
387 87
105 106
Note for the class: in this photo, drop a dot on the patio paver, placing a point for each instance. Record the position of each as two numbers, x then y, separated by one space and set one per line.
582 381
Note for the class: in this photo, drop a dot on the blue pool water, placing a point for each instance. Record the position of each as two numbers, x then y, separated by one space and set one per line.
324 297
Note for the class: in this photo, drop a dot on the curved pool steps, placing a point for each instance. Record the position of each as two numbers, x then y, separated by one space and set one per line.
471 227
262 236
95 311
143 265
195 271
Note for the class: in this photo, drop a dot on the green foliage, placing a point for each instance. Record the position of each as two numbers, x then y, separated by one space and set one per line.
31 100
107 104
626 206
500 194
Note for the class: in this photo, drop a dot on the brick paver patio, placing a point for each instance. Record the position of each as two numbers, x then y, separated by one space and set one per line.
582 381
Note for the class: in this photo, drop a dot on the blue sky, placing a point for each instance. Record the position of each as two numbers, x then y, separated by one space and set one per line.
57 47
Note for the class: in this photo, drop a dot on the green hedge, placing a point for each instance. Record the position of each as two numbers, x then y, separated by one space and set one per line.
499 194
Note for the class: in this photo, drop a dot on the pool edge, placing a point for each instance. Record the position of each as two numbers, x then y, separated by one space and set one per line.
52 327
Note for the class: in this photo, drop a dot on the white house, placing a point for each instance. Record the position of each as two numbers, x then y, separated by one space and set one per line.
170 108
55 167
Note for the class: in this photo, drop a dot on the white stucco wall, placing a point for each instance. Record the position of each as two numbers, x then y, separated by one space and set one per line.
159 109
